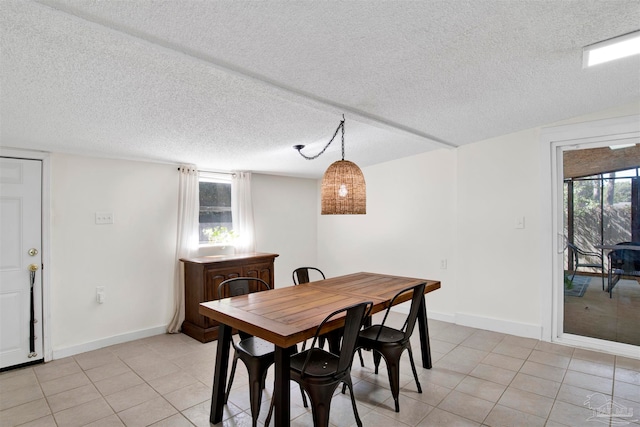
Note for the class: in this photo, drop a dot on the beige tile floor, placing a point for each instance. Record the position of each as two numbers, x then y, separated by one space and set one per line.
596 315
478 378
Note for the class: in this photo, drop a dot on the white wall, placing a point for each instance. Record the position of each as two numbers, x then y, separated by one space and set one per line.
408 229
461 205
132 258
500 282
499 182
285 222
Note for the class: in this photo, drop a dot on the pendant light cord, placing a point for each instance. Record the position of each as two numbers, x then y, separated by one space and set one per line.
340 126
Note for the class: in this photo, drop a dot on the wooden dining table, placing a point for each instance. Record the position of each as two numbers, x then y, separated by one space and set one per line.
290 315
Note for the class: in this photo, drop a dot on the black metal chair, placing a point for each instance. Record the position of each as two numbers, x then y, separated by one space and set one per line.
390 343
578 253
256 354
301 275
320 372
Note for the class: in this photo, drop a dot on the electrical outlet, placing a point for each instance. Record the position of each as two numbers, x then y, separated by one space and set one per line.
100 294
443 264
104 217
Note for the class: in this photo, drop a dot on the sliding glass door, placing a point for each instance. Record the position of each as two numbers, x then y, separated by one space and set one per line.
600 209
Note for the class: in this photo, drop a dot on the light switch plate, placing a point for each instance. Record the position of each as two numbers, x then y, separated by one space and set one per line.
100 294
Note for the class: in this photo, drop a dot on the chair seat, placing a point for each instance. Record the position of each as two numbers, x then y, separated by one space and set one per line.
321 364
625 272
256 347
387 335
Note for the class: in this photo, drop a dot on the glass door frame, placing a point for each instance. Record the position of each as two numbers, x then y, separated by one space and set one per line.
554 142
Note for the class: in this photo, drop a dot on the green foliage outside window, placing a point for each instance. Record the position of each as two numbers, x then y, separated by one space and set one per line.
220 235
215 217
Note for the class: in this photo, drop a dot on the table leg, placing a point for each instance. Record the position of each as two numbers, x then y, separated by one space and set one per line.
281 389
424 334
220 375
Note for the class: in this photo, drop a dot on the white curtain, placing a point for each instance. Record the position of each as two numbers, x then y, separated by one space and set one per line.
187 238
242 211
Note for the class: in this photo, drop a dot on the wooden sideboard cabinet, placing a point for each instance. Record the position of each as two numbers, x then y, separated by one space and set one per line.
202 276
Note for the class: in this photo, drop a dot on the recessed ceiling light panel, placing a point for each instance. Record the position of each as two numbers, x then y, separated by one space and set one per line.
609 50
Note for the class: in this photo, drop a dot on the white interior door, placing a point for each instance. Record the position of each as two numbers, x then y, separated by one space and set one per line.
20 249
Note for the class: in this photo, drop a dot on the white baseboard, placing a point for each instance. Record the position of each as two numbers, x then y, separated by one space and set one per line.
443 317
435 315
490 324
60 353
595 344
526 330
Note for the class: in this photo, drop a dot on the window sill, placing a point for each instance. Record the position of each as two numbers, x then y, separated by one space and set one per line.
216 249
215 245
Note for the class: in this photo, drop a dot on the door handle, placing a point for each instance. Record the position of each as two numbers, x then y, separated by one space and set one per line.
562 243
33 267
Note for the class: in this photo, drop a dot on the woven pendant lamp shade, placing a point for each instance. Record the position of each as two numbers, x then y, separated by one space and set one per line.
344 191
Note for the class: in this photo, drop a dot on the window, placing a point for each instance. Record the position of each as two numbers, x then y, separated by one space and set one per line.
216 222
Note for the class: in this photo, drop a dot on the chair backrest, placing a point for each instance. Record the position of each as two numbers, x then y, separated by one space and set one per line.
355 315
588 257
627 259
574 247
241 286
575 251
416 300
301 274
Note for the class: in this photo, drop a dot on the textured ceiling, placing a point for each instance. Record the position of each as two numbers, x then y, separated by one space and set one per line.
233 85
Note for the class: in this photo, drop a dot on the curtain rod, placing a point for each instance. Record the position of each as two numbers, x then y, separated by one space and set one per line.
216 172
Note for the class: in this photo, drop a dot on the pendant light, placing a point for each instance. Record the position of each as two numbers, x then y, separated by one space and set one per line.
344 191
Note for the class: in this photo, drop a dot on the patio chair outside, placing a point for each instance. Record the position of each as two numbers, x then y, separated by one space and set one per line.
580 260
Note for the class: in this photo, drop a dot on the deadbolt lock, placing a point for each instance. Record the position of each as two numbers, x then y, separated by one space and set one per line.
33 252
